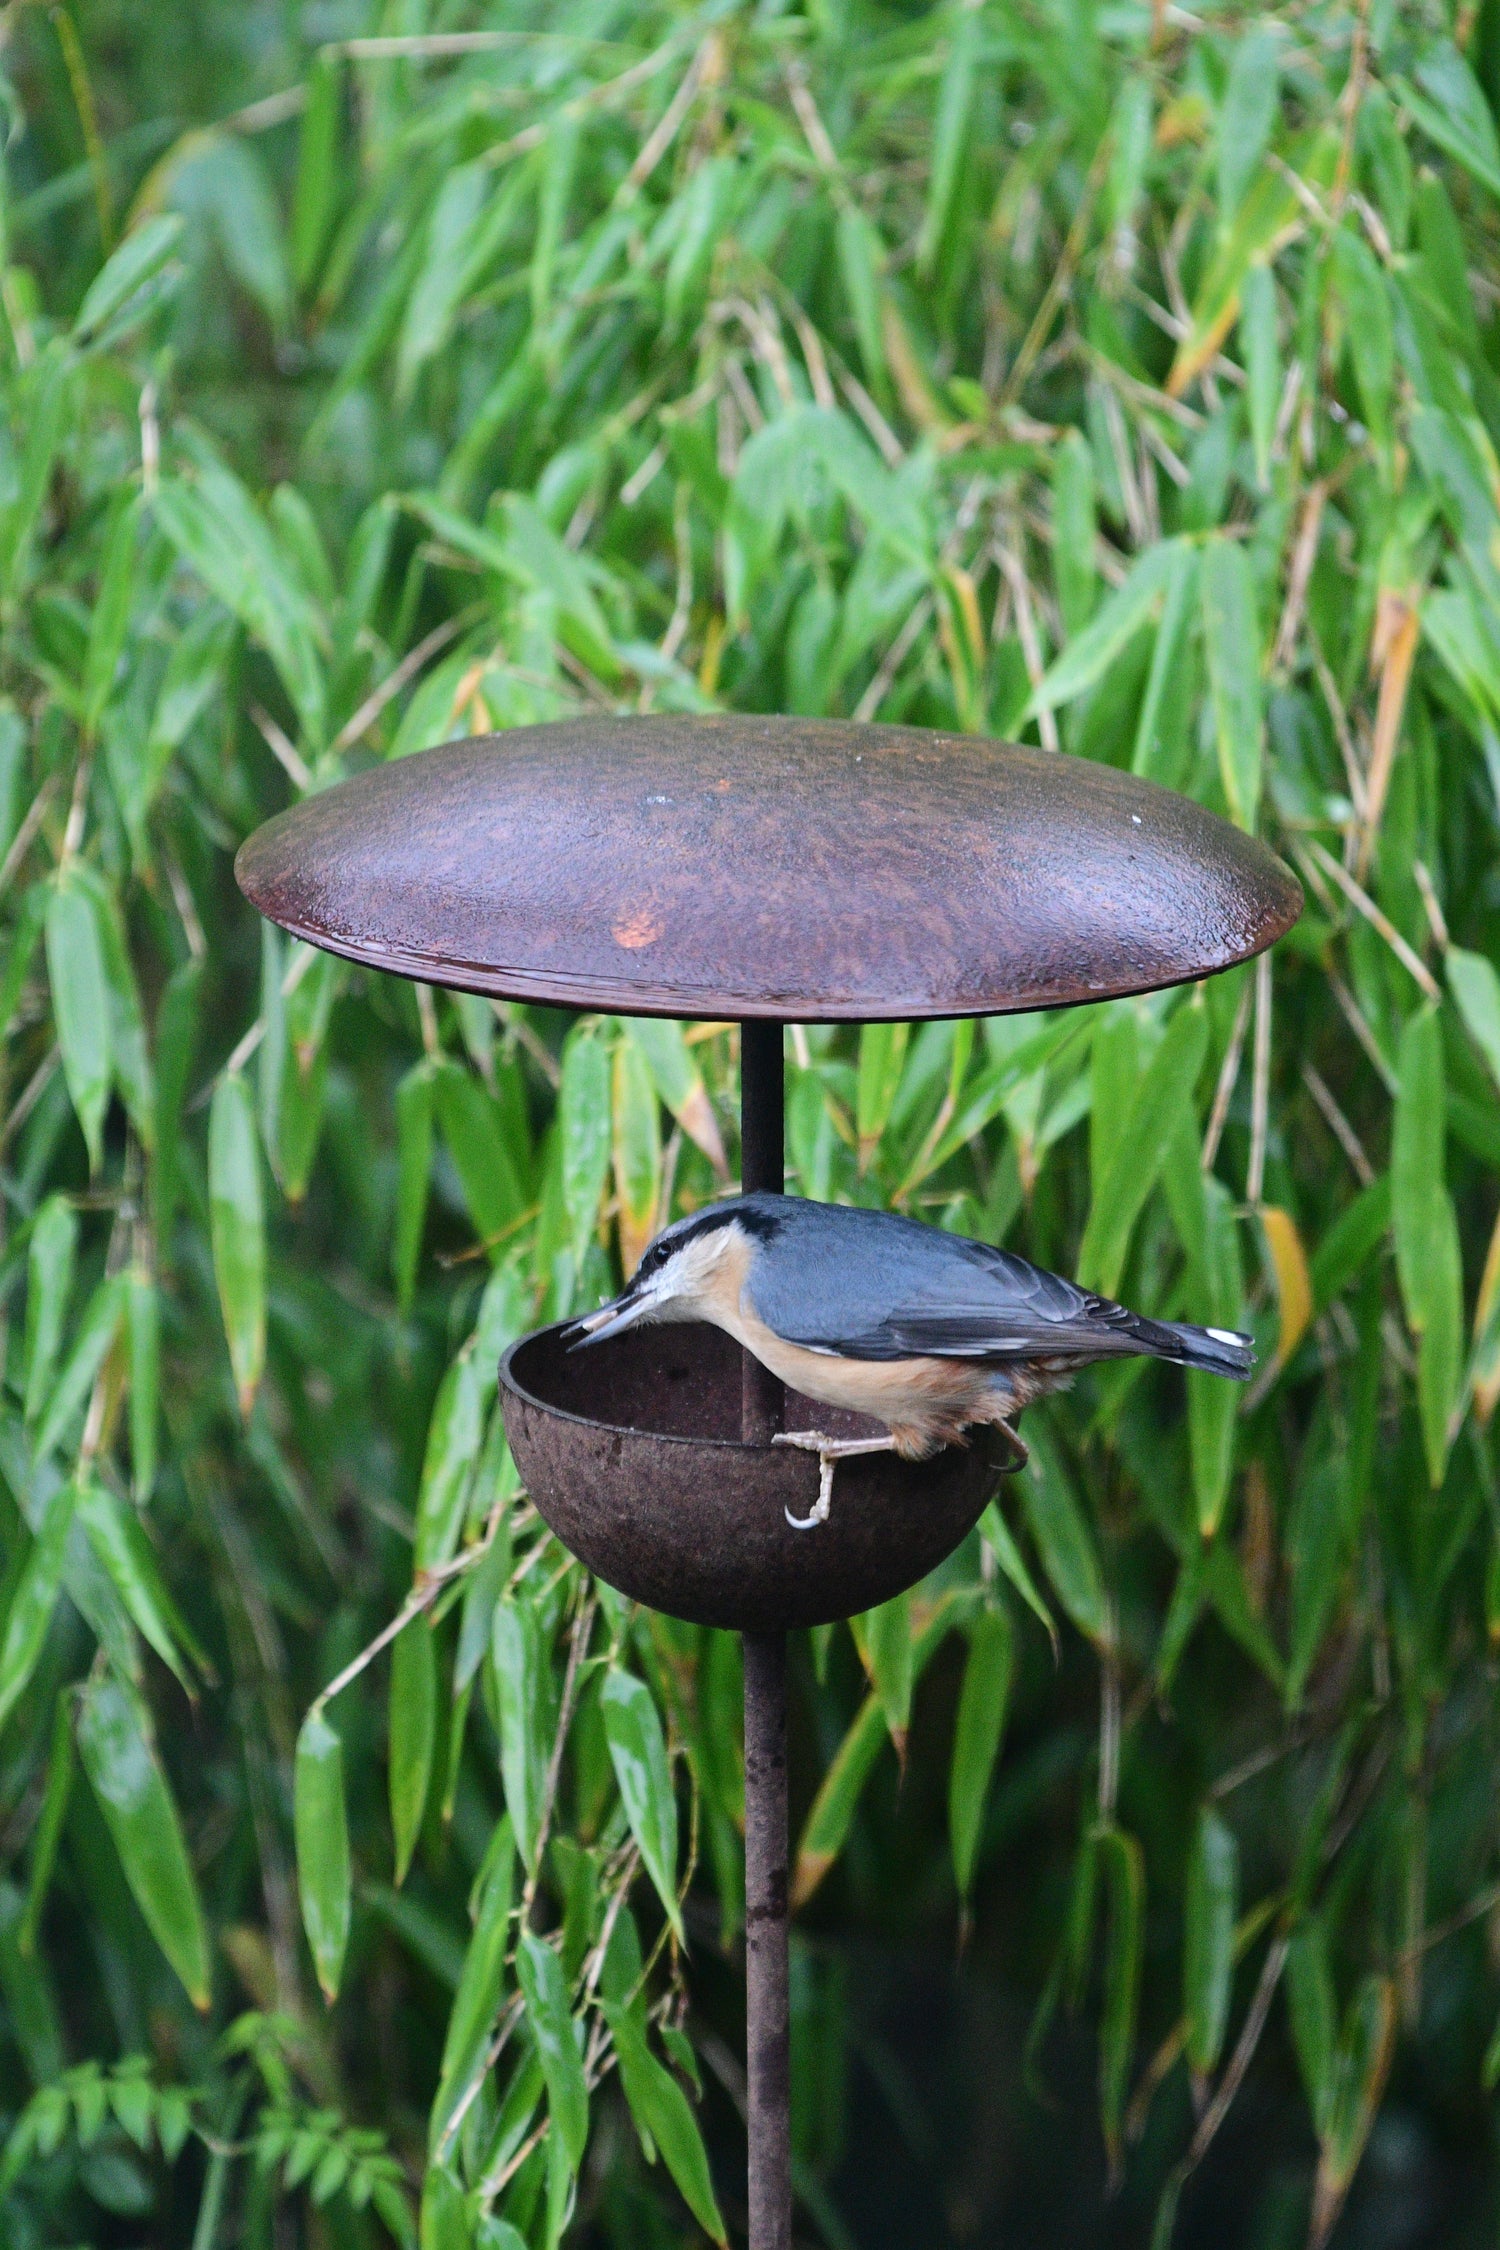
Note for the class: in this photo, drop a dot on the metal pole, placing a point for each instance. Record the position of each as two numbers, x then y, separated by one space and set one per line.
767 2019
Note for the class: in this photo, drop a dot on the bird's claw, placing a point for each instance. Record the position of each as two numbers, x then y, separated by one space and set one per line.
823 1503
829 1451
1020 1450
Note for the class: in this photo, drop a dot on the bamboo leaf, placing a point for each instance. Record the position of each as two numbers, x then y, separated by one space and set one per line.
143 1354
126 274
546 1995
1262 364
49 1823
114 1743
130 1561
1118 619
1162 1096
950 134
637 1151
34 1599
1452 111
238 1225
679 1083
50 1258
413 1723
453 1442
1064 1539
477 2001
1208 1939
976 1737
1123 1868
483 1153
322 1848
584 1123
1246 115
885 1643
1293 1279
521 1696
80 1006
665 2120
1231 638
639 1756
414 1110
96 1336
1475 987
1360 2068
317 167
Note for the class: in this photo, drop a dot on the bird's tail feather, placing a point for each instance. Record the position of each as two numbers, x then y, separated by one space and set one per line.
1221 1351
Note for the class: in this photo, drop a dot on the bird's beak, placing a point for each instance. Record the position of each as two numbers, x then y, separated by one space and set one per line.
610 1320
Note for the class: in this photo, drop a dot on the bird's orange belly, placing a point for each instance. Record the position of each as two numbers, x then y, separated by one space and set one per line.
919 1394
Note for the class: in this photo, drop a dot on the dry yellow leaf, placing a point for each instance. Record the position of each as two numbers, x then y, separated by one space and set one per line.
1293 1281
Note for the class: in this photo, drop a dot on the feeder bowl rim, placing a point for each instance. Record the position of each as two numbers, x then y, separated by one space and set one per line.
508 1381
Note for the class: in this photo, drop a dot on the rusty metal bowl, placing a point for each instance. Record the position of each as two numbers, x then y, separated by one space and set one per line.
631 1452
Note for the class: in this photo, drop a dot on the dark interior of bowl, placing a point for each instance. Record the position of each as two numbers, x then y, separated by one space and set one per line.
631 1452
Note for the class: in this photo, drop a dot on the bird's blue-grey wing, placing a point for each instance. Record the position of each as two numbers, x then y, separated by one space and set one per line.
876 1287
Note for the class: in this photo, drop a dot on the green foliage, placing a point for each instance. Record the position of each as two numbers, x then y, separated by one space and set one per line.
1113 378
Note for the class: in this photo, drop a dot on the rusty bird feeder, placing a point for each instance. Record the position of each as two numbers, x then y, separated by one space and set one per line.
766 871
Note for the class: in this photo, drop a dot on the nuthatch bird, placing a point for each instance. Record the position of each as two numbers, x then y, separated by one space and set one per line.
927 1332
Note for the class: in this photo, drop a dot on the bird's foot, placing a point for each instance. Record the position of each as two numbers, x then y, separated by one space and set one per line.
829 1451
1017 1444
